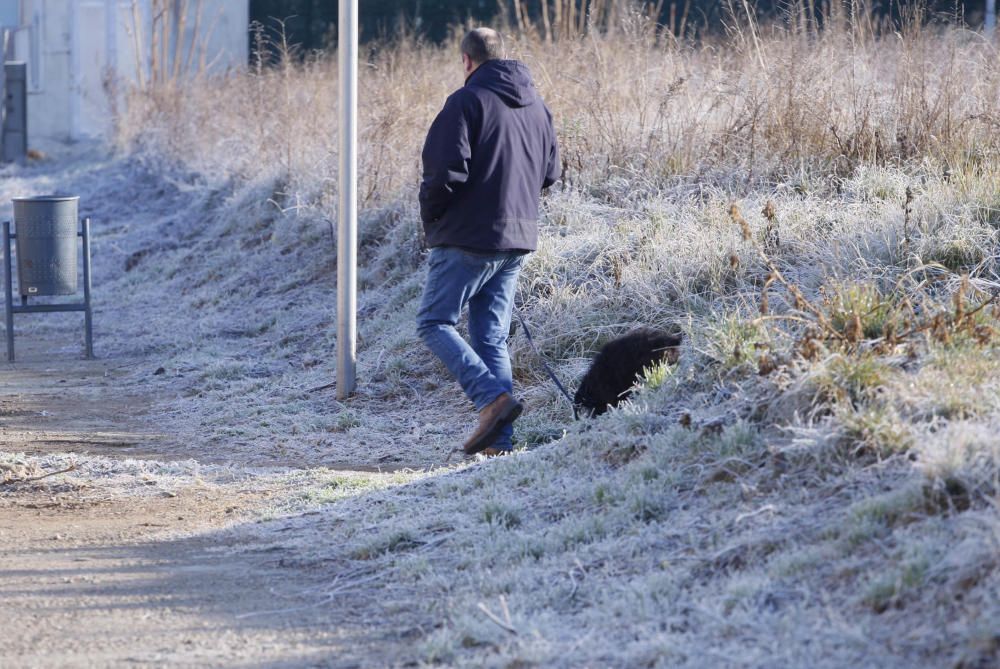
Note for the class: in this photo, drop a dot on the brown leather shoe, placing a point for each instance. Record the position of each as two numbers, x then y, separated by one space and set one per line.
496 415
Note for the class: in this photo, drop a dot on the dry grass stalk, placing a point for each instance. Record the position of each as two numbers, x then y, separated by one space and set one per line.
170 58
907 213
799 300
941 326
772 237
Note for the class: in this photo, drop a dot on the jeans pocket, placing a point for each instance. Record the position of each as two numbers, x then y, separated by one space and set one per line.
474 262
437 257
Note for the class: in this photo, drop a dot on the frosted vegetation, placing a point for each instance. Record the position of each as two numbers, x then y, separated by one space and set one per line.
815 483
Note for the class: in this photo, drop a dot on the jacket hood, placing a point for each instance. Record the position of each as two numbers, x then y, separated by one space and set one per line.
509 79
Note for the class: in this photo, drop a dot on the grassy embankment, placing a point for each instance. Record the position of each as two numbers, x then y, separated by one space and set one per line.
816 482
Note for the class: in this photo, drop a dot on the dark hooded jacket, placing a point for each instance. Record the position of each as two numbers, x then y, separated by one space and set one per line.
488 155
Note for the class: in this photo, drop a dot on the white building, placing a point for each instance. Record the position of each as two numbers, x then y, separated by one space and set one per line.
78 50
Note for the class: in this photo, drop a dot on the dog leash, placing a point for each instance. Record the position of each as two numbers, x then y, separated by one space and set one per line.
548 370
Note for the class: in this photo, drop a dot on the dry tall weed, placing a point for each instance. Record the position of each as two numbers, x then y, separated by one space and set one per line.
788 104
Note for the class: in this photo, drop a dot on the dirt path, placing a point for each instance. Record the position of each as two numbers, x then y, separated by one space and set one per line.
54 401
155 583
97 575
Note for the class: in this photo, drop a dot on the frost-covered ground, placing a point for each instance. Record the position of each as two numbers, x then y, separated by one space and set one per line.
711 521
815 483
236 305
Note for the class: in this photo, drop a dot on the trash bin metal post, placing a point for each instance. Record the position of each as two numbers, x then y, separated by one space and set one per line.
88 312
8 290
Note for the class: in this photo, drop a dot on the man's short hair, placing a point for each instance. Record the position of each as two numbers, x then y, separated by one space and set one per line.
483 44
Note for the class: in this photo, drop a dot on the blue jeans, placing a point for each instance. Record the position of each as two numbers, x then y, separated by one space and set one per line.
486 282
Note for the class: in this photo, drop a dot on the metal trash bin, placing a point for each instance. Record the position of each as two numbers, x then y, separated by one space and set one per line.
46 240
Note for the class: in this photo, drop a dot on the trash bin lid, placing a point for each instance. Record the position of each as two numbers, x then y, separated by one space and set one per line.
47 198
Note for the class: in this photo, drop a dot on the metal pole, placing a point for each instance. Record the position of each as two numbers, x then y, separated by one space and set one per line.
9 291
991 18
76 73
88 313
347 221
3 87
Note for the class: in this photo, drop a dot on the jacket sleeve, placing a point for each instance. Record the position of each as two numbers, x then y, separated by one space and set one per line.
553 168
446 158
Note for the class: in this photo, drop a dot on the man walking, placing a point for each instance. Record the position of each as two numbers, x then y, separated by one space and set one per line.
488 155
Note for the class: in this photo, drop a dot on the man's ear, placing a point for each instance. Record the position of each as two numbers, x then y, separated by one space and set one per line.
467 63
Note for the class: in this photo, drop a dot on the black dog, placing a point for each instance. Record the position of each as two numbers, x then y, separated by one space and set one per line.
618 365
